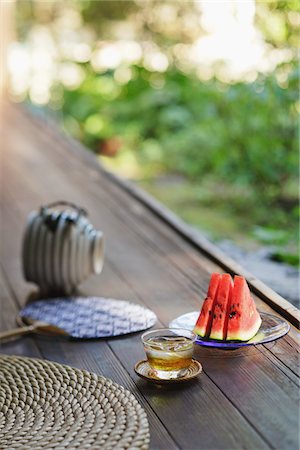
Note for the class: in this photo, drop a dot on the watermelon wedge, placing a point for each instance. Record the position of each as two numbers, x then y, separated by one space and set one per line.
203 324
243 319
228 312
221 308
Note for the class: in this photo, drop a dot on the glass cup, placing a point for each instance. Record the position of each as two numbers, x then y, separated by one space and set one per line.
169 351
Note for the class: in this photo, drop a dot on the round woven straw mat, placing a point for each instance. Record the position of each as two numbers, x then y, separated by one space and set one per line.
44 405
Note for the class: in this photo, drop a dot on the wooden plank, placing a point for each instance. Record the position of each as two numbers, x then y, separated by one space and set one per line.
98 358
159 235
137 214
140 265
135 266
181 257
257 387
211 395
140 216
92 357
186 433
172 251
95 356
289 366
8 312
278 303
261 366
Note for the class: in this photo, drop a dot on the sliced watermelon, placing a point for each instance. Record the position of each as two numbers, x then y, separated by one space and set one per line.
221 308
243 320
203 324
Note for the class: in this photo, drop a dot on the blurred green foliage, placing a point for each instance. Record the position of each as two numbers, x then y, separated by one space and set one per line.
242 135
235 145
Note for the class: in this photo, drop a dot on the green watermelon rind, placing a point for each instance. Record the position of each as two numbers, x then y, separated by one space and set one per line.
216 336
246 336
199 331
208 305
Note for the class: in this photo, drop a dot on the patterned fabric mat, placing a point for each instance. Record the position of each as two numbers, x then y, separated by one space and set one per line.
91 317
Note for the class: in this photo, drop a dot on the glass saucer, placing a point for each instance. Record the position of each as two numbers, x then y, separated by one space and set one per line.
272 328
144 370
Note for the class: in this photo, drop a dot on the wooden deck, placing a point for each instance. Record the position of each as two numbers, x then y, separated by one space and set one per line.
244 398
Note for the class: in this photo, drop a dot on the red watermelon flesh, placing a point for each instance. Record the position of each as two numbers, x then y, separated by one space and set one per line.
221 308
243 320
203 324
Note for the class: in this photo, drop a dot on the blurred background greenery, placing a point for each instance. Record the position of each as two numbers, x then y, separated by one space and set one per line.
195 101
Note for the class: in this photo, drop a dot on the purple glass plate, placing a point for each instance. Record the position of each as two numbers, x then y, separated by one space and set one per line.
91 317
272 328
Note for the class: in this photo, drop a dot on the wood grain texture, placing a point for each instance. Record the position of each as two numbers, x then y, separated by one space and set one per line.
8 313
278 303
244 398
95 357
